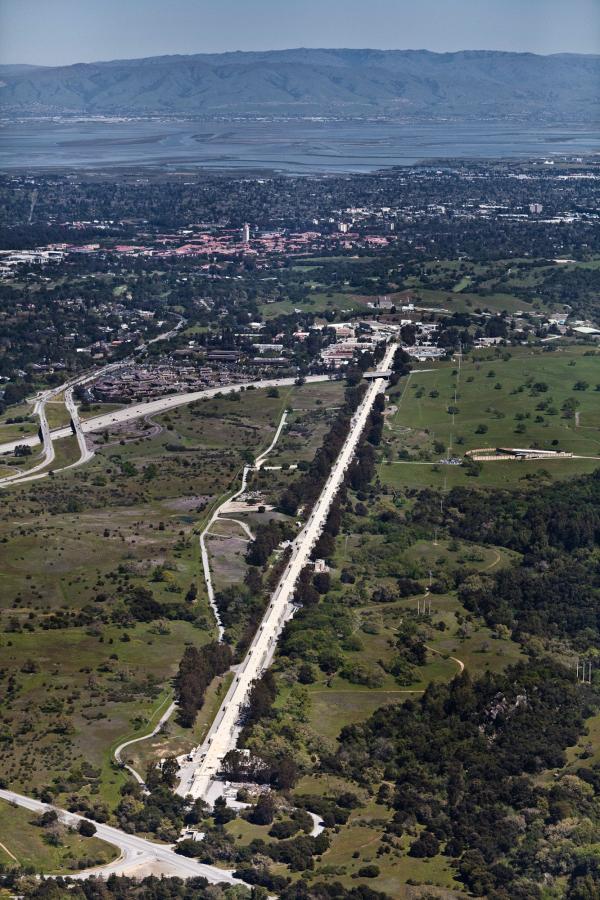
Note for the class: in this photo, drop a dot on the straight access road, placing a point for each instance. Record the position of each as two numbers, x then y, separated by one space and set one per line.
197 777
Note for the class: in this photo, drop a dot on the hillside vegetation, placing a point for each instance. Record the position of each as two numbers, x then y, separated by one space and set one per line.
406 83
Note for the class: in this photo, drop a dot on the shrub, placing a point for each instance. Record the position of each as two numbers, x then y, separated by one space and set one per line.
86 828
371 871
426 845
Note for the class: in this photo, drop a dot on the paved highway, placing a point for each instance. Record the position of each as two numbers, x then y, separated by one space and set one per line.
136 852
47 457
85 454
40 470
39 410
197 776
150 407
107 420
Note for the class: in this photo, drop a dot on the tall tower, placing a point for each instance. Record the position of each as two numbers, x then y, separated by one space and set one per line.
246 233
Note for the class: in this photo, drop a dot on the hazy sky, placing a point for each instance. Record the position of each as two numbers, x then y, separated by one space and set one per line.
56 32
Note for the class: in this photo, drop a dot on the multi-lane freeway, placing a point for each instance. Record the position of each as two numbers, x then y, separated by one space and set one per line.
197 776
117 417
41 468
85 454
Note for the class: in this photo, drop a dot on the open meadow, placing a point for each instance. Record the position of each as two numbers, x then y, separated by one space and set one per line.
97 567
533 398
50 850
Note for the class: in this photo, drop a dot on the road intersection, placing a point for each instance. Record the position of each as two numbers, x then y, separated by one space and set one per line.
117 417
199 777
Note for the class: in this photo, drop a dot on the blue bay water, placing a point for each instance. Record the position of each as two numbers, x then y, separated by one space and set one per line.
286 146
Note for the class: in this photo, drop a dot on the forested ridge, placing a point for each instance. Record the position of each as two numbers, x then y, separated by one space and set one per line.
555 590
460 762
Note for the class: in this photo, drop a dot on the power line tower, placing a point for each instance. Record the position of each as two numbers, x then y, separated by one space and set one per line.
584 671
424 606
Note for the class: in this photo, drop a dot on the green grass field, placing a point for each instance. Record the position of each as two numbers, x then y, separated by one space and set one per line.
453 639
57 413
175 740
24 844
318 301
73 544
509 285
16 430
517 402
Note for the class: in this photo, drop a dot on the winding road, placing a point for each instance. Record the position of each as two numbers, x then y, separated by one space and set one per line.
215 515
118 754
198 778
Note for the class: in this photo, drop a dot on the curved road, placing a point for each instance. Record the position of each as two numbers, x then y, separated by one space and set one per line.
48 436
215 515
127 414
144 737
136 852
47 457
85 454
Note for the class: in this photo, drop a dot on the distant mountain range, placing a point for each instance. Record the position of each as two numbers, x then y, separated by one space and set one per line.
416 84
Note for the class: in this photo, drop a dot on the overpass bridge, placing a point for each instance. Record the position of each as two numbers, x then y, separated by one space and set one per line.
379 373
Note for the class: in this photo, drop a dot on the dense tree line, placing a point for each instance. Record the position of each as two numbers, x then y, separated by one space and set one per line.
555 589
122 887
198 667
306 489
267 537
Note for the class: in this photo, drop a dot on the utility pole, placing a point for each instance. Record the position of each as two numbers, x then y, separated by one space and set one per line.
424 605
584 671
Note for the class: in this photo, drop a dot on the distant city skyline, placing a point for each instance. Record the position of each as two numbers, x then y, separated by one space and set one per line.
62 32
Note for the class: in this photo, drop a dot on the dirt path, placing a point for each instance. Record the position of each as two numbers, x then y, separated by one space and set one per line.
242 525
459 662
8 853
493 563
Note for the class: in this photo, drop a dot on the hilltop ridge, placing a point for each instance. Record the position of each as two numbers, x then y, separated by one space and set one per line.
414 84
